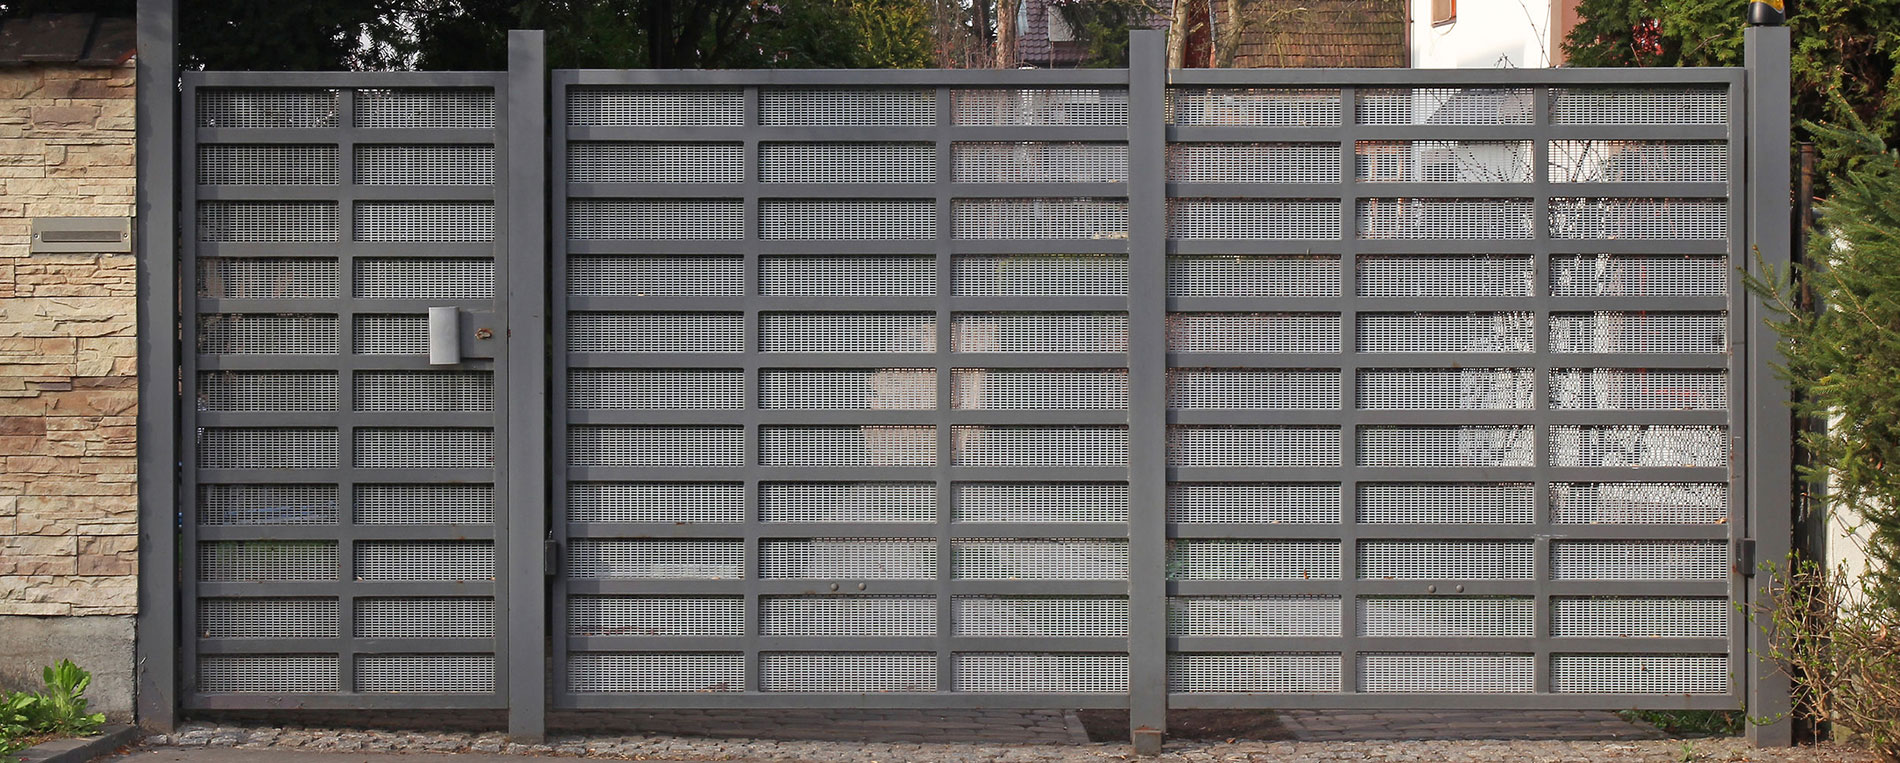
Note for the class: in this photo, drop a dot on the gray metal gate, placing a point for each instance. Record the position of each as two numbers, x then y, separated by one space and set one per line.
1110 388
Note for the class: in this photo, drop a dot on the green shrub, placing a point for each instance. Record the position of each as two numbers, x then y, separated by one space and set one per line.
58 710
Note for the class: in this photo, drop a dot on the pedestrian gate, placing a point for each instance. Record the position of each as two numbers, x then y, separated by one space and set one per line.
1258 388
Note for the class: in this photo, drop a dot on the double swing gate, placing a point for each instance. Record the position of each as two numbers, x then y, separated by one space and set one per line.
1095 388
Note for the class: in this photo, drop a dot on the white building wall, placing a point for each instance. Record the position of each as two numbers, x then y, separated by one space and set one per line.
1509 34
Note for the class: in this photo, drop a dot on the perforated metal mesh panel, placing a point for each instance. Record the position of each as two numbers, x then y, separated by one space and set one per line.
1640 673
1638 275
1253 107
1040 616
1640 617
1273 616
847 163
1040 107
1446 617
1446 673
853 672
240 164
1281 219
1253 560
848 502
1286 673
1446 560
1033 162
1445 161
1491 275
1639 502
847 616
603 162
1241 389
1253 503
267 618
425 278
267 674
425 165
1020 275
1447 502
853 107
1020 389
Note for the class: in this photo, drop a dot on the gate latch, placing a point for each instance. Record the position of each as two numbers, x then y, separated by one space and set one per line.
456 334
1744 557
551 558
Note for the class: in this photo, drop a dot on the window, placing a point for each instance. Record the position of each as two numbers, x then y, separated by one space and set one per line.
1444 12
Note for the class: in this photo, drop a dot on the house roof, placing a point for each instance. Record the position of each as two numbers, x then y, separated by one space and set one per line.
72 39
1322 33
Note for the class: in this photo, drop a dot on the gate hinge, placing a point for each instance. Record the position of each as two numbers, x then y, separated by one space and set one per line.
1745 557
551 558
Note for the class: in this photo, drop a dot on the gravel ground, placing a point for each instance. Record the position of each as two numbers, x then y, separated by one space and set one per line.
679 748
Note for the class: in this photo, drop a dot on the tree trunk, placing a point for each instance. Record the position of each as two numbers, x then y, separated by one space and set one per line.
1006 33
1178 34
1227 40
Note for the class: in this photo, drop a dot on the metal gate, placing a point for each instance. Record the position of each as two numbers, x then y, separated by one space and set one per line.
1111 388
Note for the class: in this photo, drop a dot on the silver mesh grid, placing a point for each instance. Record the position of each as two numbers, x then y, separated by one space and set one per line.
425 560
655 219
1024 275
1640 617
655 162
267 164
1446 616
1078 218
1040 616
456 221
440 391
419 448
1039 332
1253 559
1105 107
1253 107
1640 673
425 673
268 673
406 334
1659 105
594 673
267 221
1484 275
847 276
1650 219
1039 559
655 107
1638 161
711 616
267 505
848 332
1253 503
1253 673
1639 446
847 616
648 446
1039 162
1639 332
267 277
425 617
1253 276
612 389
1445 106
656 276
847 162
1639 560
860 107
438 108
848 672
1466 219
1284 219
847 446
1244 389
1253 446
1389 673
1638 275
425 278
1444 161
1025 389
1447 332
266 561
1638 389
869 558
425 165
1639 502
272 108
1040 501
1447 446
847 502
616 558
266 391
865 389
267 618
267 448
1253 616
847 219
1446 560
656 332
456 504
1039 446
1033 673
1447 503
1254 332
1467 389
1253 162
655 502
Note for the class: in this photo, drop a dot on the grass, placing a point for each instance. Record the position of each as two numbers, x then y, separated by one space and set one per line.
1689 722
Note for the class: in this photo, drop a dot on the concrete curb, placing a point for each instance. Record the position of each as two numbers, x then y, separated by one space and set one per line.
81 749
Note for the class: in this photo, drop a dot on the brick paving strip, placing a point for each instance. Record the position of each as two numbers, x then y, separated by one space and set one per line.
898 736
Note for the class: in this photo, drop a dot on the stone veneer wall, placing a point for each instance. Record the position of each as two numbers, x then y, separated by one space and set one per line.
68 383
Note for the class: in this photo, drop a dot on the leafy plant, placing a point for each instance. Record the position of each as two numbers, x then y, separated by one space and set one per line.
58 710
1841 642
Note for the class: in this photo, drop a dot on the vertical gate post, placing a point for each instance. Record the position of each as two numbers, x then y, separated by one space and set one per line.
1147 391
1769 461
527 636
